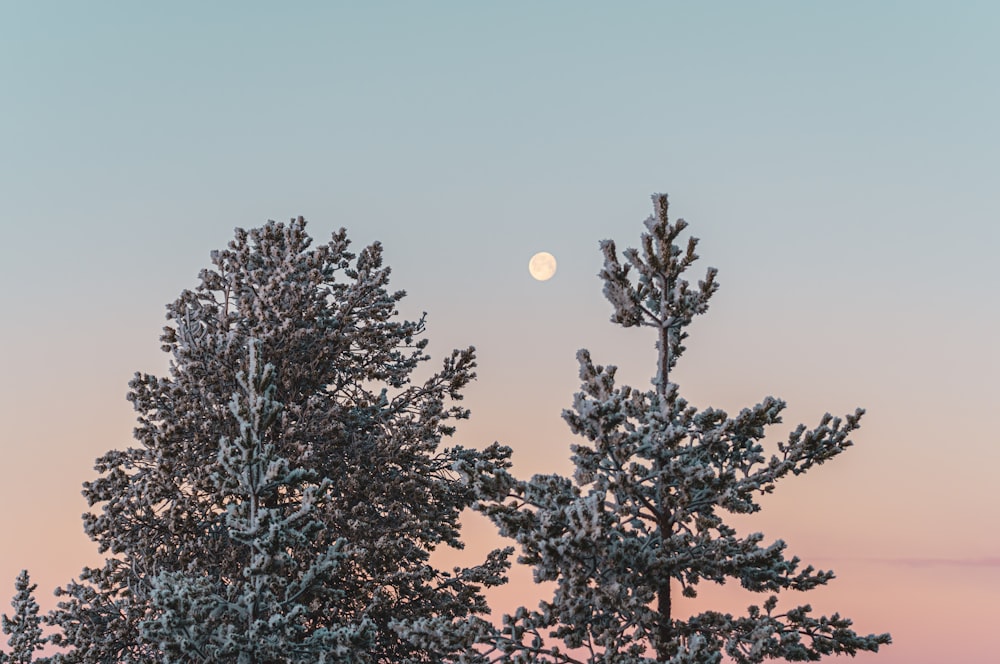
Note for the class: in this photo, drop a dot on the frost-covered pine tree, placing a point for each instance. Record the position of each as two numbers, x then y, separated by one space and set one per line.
642 519
24 627
267 612
362 422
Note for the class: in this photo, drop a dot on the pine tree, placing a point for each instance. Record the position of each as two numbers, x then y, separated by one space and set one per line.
642 519
360 435
24 628
264 613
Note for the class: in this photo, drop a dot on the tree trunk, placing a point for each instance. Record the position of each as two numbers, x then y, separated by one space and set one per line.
664 628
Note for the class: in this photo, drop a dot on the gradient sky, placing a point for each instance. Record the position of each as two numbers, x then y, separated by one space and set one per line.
838 160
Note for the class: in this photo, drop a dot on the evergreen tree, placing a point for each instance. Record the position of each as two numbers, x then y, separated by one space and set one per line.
24 628
361 437
267 612
642 519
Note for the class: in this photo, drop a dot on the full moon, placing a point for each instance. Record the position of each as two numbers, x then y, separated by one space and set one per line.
542 266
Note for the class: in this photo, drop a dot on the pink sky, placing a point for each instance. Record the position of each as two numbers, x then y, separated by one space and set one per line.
838 162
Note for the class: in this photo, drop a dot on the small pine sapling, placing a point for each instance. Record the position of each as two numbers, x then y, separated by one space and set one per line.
24 627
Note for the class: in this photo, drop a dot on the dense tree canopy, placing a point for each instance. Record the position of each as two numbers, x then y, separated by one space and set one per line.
356 439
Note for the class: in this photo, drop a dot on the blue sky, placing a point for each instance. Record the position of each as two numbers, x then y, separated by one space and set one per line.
839 162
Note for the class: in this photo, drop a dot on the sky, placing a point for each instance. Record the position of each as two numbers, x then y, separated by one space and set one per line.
839 162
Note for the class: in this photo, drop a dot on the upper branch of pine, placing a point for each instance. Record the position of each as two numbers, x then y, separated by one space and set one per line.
658 297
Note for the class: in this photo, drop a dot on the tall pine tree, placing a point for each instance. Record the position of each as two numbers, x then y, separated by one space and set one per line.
643 518
361 436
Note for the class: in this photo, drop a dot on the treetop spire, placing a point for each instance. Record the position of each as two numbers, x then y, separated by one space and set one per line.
659 297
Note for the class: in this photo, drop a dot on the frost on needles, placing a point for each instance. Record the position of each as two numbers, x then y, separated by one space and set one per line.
643 518
23 629
271 518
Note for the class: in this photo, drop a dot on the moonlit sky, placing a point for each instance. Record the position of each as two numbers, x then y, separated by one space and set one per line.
839 162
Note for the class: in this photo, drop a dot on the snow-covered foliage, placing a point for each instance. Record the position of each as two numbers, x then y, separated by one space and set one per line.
234 519
267 611
643 516
24 627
